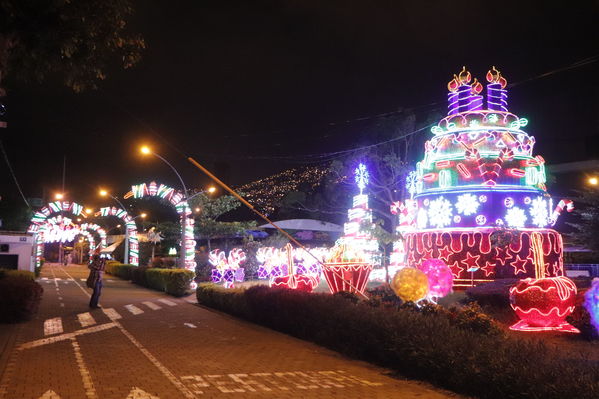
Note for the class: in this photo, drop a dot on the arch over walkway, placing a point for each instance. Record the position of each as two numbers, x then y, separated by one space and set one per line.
179 202
45 227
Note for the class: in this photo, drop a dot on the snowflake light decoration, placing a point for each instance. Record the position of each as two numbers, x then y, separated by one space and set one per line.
539 212
515 217
412 183
440 212
467 204
362 176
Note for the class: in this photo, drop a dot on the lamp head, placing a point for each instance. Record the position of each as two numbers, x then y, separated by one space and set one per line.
145 150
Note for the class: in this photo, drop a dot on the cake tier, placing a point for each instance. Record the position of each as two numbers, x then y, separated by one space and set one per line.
488 253
513 207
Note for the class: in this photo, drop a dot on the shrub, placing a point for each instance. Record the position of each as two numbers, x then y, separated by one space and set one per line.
20 297
172 281
17 273
418 344
119 270
38 269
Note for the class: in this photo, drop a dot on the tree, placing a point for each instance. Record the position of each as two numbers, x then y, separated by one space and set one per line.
587 213
207 225
74 40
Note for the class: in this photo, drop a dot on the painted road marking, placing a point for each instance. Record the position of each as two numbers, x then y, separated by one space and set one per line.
137 393
152 305
53 326
86 319
57 278
276 381
62 337
88 385
44 278
49 394
190 325
167 302
112 314
82 279
134 309
166 372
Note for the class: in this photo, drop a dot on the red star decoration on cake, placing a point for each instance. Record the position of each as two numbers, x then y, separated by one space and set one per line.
519 265
445 253
489 268
456 269
426 254
411 258
471 261
504 254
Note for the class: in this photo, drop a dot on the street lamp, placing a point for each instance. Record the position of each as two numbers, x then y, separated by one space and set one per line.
59 196
147 151
593 181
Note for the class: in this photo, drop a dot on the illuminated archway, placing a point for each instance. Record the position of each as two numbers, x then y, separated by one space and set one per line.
131 230
178 201
59 228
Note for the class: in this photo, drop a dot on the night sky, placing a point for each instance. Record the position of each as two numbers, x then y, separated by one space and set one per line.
237 84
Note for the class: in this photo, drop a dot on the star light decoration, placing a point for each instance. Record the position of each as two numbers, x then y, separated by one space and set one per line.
539 212
467 204
440 212
515 217
362 177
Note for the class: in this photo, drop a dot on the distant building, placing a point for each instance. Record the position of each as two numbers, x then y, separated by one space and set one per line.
16 251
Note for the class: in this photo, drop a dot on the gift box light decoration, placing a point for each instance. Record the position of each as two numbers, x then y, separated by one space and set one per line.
293 280
346 269
227 269
478 174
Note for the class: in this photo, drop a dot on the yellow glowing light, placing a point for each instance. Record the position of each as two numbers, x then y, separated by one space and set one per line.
143 215
89 211
59 196
78 219
593 181
103 193
197 209
410 284
145 150
211 189
118 225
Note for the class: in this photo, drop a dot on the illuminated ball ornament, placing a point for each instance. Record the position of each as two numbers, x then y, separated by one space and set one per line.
440 278
543 304
410 284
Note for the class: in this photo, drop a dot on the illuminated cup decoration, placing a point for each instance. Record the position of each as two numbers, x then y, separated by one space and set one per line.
440 278
411 285
346 270
543 304
591 303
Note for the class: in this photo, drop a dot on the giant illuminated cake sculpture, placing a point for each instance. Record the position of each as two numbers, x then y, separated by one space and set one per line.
479 176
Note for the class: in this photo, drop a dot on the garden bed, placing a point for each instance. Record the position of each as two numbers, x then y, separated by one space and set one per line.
20 295
461 350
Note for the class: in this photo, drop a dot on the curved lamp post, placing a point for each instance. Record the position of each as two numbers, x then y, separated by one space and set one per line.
147 151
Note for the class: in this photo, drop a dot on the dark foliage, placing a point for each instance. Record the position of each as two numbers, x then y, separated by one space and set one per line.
20 297
172 281
422 344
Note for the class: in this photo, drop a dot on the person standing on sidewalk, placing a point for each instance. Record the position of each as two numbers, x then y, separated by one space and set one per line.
95 278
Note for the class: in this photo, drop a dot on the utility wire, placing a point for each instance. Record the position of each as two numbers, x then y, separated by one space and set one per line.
13 175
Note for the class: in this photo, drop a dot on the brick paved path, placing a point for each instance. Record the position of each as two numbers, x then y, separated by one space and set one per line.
144 344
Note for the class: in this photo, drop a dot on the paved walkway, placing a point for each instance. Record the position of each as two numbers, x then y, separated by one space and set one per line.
144 344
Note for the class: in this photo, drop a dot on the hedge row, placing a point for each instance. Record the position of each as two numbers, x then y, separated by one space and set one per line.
172 281
418 344
20 295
